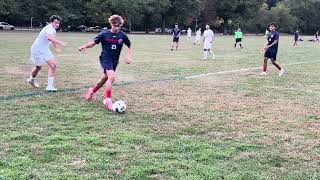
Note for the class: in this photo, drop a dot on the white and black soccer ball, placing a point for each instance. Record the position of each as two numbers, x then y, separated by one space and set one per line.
119 106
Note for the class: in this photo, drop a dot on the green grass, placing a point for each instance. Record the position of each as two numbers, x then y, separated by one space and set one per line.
224 126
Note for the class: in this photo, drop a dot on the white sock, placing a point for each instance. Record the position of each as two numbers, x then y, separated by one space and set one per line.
205 54
50 81
213 56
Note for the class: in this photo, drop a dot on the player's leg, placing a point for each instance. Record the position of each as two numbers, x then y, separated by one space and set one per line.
38 60
264 67
235 44
211 52
96 87
51 73
110 75
177 45
32 80
281 70
35 71
205 54
172 45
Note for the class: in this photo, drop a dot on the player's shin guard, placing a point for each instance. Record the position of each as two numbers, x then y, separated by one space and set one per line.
108 93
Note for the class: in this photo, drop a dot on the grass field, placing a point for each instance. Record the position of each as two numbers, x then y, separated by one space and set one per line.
225 125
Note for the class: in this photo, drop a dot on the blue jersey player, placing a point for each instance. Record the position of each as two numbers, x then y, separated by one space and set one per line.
176 32
111 41
271 50
296 38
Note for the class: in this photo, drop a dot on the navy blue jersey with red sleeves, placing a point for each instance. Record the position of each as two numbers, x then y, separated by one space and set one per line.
111 44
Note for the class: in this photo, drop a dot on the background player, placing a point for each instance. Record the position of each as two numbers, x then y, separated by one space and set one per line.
238 37
296 38
198 36
207 42
271 50
189 34
176 32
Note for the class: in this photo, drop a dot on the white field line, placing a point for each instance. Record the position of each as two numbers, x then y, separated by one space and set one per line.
245 69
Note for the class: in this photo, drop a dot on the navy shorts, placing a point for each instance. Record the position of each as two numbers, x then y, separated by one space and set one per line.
271 54
108 65
176 39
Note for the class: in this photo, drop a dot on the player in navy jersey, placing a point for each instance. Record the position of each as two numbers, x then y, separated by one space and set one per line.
271 50
111 41
176 32
296 38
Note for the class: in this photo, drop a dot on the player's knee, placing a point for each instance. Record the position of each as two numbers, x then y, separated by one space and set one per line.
111 75
38 68
52 64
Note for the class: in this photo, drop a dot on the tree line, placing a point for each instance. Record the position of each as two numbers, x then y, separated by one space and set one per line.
145 15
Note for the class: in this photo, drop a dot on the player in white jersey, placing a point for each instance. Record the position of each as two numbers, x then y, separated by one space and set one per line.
207 42
189 31
41 54
198 36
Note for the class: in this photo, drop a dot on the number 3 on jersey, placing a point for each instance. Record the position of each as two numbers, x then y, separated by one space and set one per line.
113 46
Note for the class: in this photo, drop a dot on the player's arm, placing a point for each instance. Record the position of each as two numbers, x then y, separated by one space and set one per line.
86 46
127 42
179 34
55 41
268 46
130 56
203 39
56 48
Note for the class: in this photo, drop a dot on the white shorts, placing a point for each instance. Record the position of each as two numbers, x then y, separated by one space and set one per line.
40 58
207 45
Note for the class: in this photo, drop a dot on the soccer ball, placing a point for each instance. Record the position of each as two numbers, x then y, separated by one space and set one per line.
119 106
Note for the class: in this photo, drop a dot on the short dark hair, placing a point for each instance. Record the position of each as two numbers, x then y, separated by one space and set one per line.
54 17
273 24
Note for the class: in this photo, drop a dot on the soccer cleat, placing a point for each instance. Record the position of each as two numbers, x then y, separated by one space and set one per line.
281 72
108 103
263 74
89 94
33 82
51 89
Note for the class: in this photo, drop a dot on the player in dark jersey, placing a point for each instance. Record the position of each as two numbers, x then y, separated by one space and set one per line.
296 38
111 41
176 32
316 35
271 50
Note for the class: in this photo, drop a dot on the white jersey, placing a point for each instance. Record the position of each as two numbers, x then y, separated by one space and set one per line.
42 43
208 36
189 32
198 34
